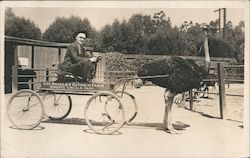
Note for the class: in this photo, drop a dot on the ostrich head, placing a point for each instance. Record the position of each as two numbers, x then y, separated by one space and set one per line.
138 82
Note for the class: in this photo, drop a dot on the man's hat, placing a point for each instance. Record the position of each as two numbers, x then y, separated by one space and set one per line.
77 32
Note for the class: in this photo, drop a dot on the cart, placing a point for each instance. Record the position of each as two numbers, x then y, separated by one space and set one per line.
106 111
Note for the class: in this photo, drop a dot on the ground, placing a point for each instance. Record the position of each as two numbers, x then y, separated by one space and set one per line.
202 133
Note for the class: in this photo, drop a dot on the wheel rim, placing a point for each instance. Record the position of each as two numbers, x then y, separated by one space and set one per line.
104 113
25 109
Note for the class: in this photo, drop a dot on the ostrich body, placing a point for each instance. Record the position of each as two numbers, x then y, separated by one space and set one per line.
181 75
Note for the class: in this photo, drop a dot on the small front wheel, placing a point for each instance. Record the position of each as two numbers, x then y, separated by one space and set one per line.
104 113
25 109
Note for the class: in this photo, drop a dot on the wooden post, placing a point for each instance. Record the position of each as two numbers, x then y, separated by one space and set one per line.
224 21
47 74
221 81
59 55
14 78
191 100
15 71
32 63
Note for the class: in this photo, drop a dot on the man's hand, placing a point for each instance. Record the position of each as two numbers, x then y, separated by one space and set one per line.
93 59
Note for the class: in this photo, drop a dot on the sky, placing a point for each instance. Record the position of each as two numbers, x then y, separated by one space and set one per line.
99 17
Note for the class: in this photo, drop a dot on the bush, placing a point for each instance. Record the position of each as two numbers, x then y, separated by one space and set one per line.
115 62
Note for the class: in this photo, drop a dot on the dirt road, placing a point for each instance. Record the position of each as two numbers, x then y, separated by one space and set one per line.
200 136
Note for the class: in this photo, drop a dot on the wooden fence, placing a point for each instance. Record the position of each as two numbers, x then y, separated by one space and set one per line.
223 78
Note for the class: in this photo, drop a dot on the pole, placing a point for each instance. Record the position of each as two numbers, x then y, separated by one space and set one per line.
32 63
47 74
59 55
15 70
206 49
224 21
219 20
219 10
222 95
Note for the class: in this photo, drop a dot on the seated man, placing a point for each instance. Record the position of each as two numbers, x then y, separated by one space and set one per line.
77 60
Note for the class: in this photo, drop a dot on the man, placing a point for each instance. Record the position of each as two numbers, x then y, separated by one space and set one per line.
77 60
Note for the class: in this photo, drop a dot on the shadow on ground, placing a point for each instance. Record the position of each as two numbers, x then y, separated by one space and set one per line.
158 126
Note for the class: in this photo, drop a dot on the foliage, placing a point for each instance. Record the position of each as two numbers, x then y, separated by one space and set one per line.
20 27
140 34
115 62
219 47
62 29
235 36
143 34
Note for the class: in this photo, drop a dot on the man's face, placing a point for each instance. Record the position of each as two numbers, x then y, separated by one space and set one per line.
81 38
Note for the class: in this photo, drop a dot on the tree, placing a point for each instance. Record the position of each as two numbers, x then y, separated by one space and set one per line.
140 27
142 34
218 47
105 38
196 36
235 36
186 25
62 29
20 27
161 21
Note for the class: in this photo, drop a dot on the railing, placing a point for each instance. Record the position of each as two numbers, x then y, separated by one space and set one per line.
222 80
45 74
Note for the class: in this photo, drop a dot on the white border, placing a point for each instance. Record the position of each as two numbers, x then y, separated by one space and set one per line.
244 4
247 81
128 4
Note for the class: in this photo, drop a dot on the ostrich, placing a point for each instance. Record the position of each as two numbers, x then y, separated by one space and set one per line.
178 76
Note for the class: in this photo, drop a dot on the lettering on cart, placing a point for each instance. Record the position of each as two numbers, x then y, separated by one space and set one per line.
72 86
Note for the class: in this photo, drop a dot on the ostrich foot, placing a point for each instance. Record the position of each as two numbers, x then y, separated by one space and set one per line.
171 130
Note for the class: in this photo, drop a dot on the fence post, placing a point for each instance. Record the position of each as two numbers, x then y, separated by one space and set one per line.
14 78
191 100
47 74
32 63
59 55
15 70
221 82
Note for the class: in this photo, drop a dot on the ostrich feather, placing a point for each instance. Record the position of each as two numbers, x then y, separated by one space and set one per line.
183 74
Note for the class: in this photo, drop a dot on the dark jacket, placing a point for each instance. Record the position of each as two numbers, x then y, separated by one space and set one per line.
73 56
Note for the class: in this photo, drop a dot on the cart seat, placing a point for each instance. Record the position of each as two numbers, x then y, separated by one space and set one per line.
65 77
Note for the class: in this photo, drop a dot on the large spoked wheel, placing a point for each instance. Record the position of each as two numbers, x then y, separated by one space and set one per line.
25 109
57 106
104 113
130 105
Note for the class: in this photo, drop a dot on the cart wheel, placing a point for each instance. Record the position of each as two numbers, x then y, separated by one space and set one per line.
104 113
25 109
57 106
130 105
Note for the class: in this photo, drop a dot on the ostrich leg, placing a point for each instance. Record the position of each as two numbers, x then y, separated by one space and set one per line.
169 97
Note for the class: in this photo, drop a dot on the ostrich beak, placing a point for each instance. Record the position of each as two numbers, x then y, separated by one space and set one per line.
137 82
